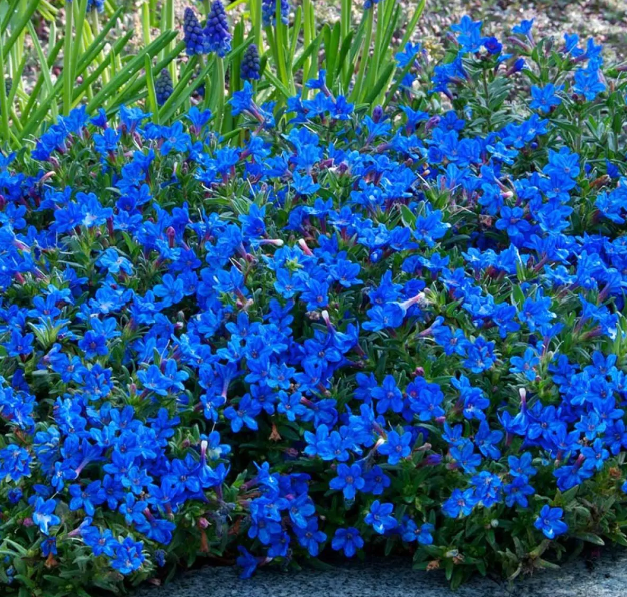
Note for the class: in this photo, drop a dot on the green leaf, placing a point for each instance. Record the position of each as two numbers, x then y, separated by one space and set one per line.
381 84
152 94
408 217
590 538
20 24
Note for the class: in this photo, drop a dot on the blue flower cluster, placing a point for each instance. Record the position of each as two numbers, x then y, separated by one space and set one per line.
269 11
217 34
250 63
215 37
404 324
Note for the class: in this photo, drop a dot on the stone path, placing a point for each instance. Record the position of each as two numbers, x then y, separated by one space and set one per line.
395 578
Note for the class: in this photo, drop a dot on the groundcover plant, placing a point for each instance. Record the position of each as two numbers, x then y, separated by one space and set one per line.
351 329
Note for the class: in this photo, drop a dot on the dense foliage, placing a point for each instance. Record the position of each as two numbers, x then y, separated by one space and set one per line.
112 53
350 329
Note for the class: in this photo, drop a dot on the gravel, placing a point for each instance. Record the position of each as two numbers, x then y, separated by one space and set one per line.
395 578
605 20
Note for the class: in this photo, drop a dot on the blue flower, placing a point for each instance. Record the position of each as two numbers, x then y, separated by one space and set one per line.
422 534
521 467
311 537
14 462
526 364
128 556
19 344
349 479
466 457
44 516
550 523
242 101
198 119
347 540
171 290
49 546
460 503
243 414
388 396
524 28
544 98
115 262
376 481
88 497
247 562
93 344
380 517
517 491
396 446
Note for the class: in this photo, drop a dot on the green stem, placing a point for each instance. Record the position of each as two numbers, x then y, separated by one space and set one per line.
397 83
373 71
219 93
150 84
4 108
345 28
235 82
273 48
307 41
146 23
67 60
170 24
79 43
153 12
411 26
365 56
254 6
208 85
281 45
95 23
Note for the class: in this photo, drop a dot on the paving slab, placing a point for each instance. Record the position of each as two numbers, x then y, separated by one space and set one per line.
607 577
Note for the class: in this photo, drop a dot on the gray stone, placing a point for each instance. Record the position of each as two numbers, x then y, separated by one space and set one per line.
395 578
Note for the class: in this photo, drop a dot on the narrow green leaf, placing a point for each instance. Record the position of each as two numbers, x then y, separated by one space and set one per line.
183 91
10 11
381 84
411 26
4 106
131 68
150 85
278 84
331 53
45 72
68 77
20 25
342 61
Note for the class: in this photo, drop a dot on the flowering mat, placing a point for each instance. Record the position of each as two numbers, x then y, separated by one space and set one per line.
346 329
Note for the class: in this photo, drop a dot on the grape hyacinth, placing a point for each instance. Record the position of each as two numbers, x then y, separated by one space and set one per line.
217 32
163 86
268 12
250 63
95 5
195 41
